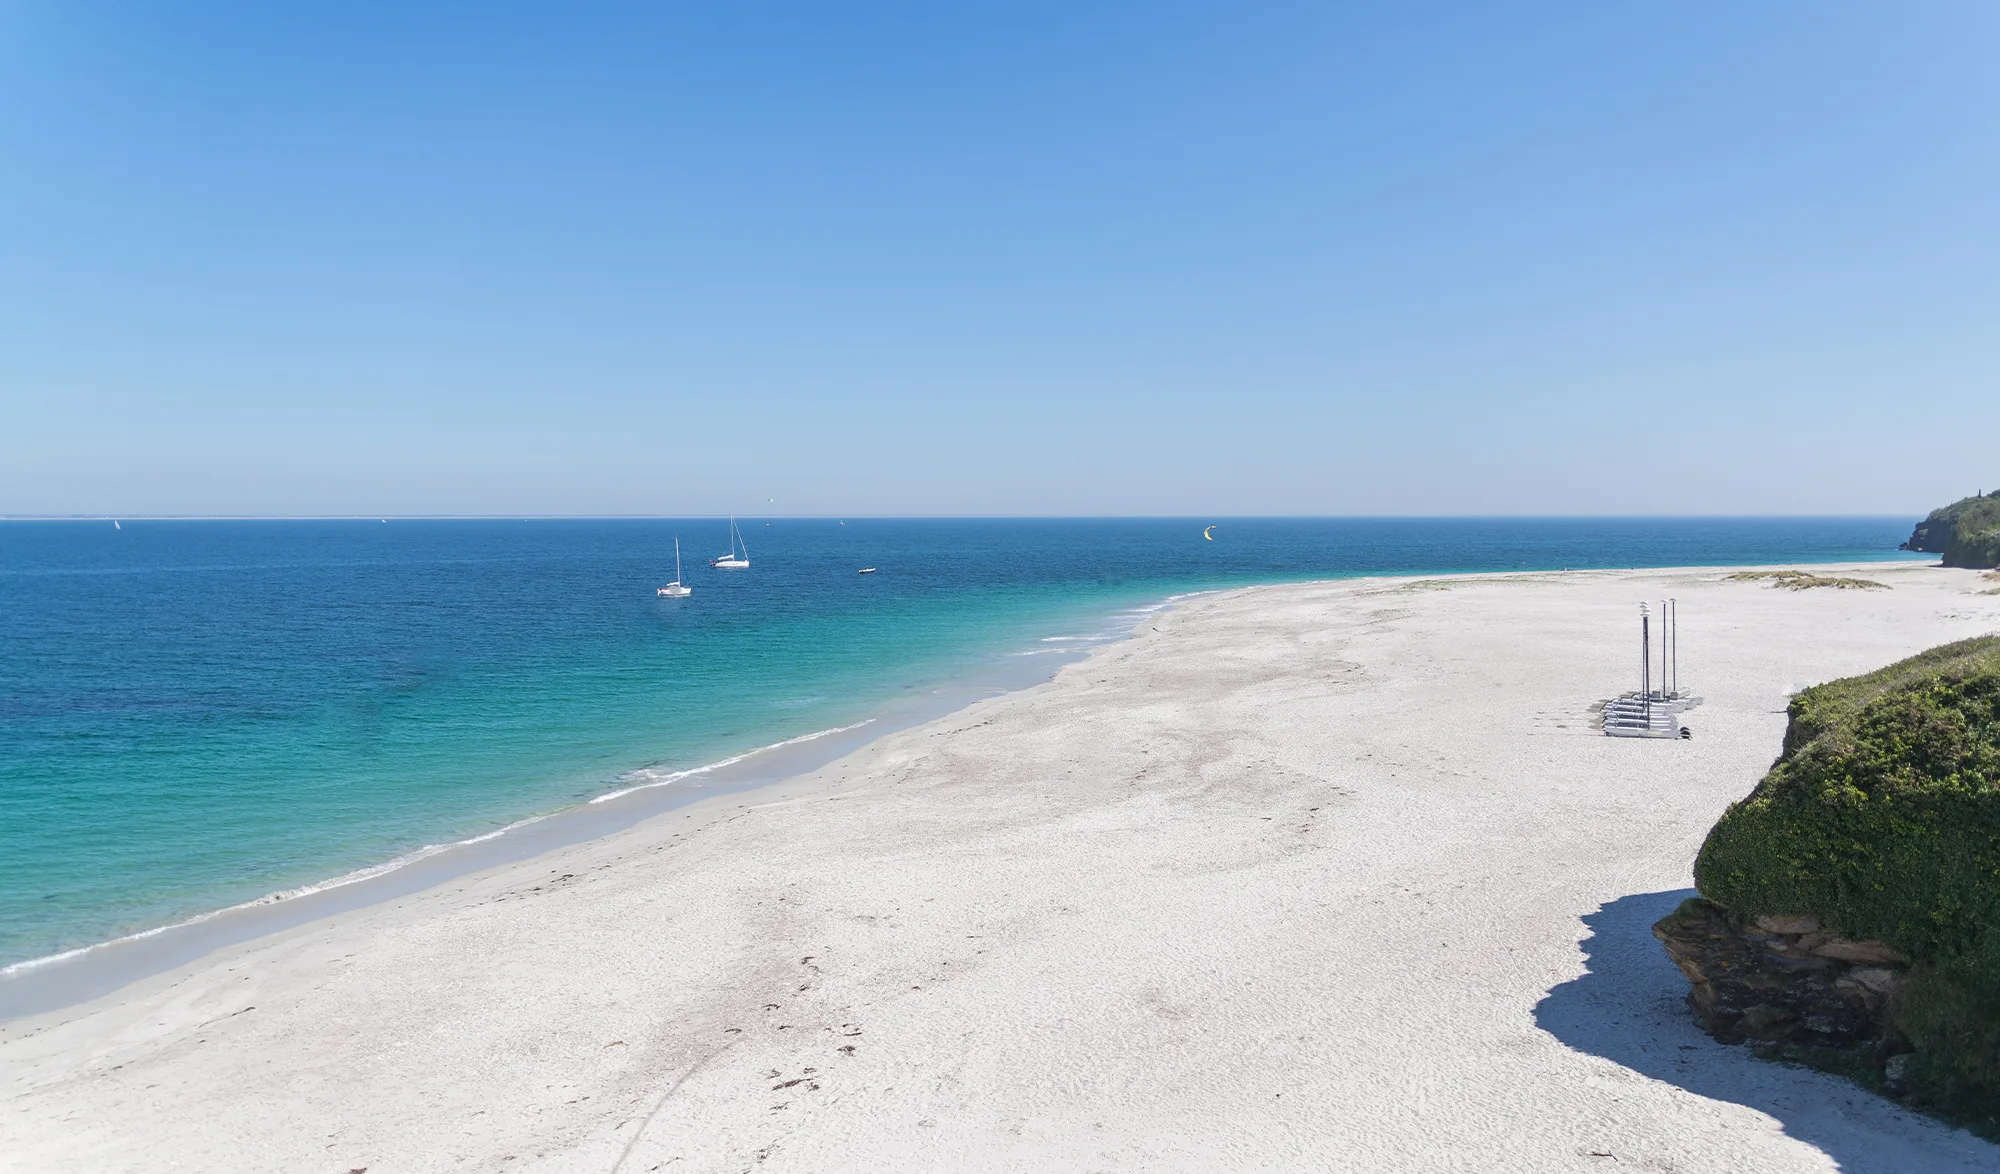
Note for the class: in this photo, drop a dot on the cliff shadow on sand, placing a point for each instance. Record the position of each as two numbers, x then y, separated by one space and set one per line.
1630 1007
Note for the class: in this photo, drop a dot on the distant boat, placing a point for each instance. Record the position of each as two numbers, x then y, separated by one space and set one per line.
865 571
676 589
115 525
739 553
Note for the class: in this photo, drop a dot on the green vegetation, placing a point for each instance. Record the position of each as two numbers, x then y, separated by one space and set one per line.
1801 580
1966 532
1882 817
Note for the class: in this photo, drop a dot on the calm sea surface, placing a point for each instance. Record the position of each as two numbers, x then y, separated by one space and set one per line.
194 714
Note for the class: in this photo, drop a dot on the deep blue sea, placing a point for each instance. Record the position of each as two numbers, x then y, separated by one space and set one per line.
197 713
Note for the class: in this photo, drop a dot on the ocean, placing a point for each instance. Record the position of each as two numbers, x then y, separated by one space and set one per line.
195 714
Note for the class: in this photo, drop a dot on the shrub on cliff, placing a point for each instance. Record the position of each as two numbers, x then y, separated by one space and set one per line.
1966 532
1882 817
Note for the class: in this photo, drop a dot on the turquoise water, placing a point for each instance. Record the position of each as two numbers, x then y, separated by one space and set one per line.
194 714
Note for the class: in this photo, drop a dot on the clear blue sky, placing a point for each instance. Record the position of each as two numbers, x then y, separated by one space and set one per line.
998 258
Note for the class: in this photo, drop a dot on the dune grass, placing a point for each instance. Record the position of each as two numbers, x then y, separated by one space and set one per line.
1806 580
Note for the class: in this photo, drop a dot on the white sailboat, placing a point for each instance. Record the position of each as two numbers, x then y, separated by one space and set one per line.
739 553
676 589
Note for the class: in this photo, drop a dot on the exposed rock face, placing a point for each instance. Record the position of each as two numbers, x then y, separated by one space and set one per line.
1881 818
1783 980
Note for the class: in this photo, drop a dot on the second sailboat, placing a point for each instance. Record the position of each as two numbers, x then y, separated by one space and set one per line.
739 554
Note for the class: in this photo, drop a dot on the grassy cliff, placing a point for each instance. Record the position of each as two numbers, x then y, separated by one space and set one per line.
1966 532
1882 817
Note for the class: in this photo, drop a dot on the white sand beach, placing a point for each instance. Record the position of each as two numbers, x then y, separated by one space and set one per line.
1330 877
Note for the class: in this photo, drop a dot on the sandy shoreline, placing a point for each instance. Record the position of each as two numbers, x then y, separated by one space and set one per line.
1316 876
39 985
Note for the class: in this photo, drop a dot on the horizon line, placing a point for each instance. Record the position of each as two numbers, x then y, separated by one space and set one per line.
496 517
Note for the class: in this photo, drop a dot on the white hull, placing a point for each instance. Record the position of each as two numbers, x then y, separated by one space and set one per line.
739 552
675 589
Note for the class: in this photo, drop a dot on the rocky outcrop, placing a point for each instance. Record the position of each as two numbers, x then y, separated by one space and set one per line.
1787 984
1881 820
1966 532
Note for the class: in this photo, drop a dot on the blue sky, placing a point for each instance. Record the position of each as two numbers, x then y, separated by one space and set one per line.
983 258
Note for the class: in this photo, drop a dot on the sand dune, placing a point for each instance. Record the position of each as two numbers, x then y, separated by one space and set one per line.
1313 877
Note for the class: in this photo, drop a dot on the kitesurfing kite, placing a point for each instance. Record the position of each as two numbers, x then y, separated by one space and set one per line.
1207 535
